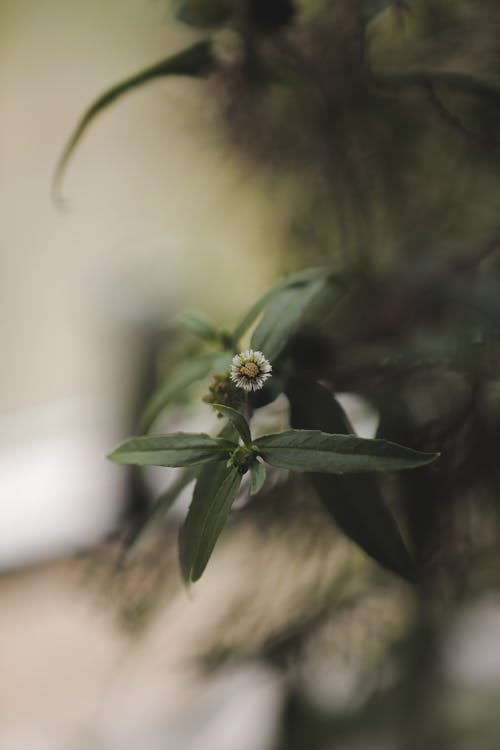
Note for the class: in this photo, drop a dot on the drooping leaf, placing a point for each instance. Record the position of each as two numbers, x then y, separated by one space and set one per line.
200 325
182 377
257 477
176 449
299 279
355 502
237 420
291 309
214 494
313 450
195 61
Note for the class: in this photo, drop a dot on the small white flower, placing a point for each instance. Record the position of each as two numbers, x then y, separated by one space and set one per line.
250 370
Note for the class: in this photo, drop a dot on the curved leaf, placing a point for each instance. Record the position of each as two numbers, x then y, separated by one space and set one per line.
176 449
195 61
299 279
214 494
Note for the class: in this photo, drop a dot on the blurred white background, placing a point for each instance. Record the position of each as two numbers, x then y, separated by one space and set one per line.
159 219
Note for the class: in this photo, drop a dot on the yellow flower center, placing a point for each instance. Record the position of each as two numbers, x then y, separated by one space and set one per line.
250 369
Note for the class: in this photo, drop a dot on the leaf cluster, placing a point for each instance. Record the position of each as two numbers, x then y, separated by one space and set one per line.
320 442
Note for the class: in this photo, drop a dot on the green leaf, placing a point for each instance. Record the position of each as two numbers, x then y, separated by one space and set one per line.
195 61
182 377
300 279
214 494
355 502
165 501
292 308
200 325
313 450
257 477
176 449
237 420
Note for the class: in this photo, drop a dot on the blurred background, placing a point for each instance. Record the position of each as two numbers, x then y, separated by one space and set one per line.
196 194
157 217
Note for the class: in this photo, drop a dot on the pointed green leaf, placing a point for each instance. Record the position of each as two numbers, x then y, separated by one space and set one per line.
313 450
237 420
182 377
300 279
165 501
214 494
195 61
257 477
355 502
292 308
176 449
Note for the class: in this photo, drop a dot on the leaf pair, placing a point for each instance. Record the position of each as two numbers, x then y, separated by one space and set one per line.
224 463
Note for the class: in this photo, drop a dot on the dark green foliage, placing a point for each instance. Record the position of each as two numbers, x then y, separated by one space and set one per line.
354 502
177 449
214 494
313 450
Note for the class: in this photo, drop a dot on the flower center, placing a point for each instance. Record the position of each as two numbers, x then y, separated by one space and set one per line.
250 369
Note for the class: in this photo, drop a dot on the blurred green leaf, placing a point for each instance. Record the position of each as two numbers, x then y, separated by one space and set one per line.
354 502
313 450
291 308
176 449
200 325
213 496
237 420
257 477
299 279
195 61
182 377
